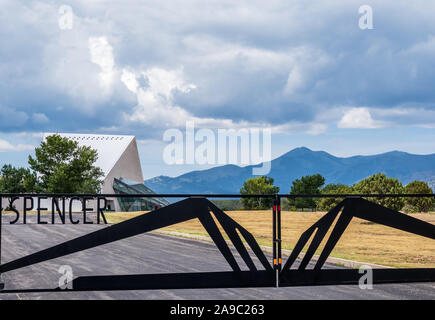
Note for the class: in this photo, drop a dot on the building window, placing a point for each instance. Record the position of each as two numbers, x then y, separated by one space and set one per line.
125 186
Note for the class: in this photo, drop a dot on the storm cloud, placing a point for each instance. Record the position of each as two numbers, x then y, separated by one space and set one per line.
144 66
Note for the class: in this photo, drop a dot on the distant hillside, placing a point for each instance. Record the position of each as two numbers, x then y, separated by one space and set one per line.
299 162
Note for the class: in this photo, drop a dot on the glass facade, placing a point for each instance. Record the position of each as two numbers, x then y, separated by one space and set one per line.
125 186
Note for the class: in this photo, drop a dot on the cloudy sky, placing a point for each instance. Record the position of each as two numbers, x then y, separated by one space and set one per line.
305 69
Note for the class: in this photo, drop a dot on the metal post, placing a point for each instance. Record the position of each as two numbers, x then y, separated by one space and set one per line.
275 242
278 207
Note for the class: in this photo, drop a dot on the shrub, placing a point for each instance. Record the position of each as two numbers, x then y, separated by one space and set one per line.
418 204
381 184
306 185
259 185
326 204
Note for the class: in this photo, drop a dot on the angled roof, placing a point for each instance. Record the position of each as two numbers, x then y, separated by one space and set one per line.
109 147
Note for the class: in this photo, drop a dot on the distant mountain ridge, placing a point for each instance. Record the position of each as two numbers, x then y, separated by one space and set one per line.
300 162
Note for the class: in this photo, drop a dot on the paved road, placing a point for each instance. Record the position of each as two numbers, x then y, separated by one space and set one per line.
152 253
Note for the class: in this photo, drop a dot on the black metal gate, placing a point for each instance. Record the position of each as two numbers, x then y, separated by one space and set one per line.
273 273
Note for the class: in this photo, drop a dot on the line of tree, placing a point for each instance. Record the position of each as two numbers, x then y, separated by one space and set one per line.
315 184
60 165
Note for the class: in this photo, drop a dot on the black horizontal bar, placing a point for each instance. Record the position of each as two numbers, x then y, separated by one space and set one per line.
231 279
196 280
202 195
353 276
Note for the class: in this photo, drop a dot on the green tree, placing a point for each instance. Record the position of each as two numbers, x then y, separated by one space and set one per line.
17 180
327 204
259 185
418 204
381 184
306 185
65 167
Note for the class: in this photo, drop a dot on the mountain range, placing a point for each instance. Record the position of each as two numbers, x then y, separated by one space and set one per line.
300 162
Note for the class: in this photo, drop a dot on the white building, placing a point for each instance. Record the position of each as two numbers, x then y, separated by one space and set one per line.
118 158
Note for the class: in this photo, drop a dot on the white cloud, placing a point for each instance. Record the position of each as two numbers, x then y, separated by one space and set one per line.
156 106
208 51
419 116
251 62
359 118
316 129
295 81
155 102
26 134
423 47
40 118
129 79
102 55
5 146
313 128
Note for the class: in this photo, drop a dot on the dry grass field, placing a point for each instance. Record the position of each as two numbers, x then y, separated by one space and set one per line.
362 240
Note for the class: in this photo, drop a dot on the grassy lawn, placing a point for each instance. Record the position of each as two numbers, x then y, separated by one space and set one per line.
362 240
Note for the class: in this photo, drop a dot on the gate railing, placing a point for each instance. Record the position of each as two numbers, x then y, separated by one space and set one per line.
199 206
